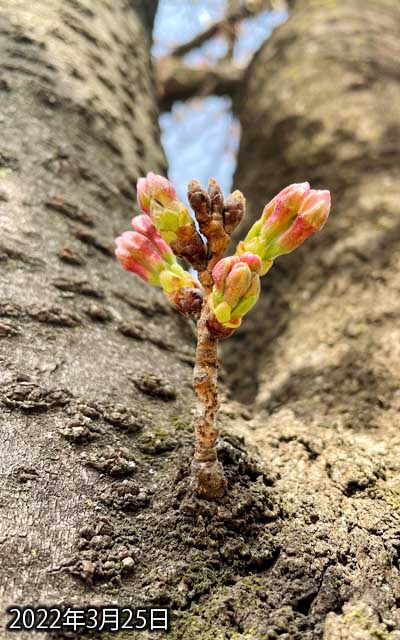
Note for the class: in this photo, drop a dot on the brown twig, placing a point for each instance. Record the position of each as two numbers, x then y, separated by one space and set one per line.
216 220
209 478
245 10
231 30
209 208
179 81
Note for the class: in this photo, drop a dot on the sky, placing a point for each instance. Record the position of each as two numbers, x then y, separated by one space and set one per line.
201 136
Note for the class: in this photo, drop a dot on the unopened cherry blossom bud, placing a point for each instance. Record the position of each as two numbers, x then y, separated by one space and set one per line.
282 210
130 264
315 207
252 260
236 289
154 189
138 254
221 271
236 284
145 253
312 215
225 266
157 197
143 224
287 220
248 301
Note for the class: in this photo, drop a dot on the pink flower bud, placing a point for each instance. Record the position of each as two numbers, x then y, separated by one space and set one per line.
287 220
237 283
248 301
252 260
292 196
145 253
154 188
143 196
143 224
225 266
221 270
312 215
315 208
135 249
130 264
158 198
236 289
282 210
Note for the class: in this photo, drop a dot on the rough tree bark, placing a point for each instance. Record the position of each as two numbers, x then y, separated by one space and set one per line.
321 103
87 354
95 384
96 371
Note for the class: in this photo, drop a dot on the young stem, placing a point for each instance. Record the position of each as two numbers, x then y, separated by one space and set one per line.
209 479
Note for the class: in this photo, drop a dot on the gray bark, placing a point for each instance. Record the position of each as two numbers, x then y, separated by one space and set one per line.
319 353
78 337
95 403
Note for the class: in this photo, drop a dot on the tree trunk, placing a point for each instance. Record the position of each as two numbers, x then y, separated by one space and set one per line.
96 400
96 379
319 354
89 355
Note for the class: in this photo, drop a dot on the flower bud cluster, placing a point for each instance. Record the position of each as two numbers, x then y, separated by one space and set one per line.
236 288
166 231
144 252
157 197
296 213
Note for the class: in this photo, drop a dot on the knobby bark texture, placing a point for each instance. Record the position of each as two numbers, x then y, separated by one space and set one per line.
91 360
319 354
96 371
95 394
208 474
